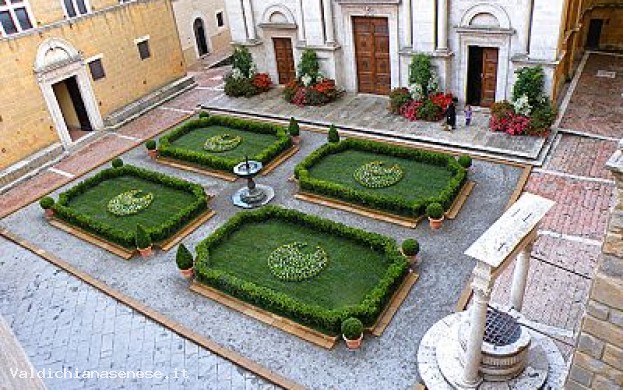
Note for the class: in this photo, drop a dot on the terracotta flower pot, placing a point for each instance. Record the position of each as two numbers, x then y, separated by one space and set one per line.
353 344
152 153
49 213
296 139
435 224
413 260
145 252
187 273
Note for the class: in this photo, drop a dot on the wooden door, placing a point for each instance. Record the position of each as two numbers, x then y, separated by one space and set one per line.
372 55
285 59
489 76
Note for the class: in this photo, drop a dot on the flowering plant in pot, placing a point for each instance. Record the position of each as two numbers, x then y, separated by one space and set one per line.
151 148
143 241
410 248
295 131
352 332
434 211
184 261
46 204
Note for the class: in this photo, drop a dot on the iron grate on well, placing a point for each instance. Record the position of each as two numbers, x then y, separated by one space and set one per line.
501 328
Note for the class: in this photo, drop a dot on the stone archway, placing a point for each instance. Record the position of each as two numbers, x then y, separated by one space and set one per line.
58 61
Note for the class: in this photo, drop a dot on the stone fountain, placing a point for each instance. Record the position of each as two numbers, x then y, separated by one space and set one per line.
253 195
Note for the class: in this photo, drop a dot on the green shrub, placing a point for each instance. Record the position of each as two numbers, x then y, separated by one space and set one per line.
429 111
46 203
204 115
151 144
142 239
434 211
352 328
501 109
117 163
242 60
410 247
465 161
183 258
421 71
293 128
332 135
542 117
398 97
237 87
309 65
530 81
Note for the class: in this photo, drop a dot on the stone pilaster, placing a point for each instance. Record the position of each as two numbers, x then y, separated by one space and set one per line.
520 276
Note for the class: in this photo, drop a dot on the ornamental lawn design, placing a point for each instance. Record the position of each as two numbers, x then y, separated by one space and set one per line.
222 143
294 262
376 174
168 205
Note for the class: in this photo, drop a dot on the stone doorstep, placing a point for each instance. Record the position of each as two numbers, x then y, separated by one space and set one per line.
25 169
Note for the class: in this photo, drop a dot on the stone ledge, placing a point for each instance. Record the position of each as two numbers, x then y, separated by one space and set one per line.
24 169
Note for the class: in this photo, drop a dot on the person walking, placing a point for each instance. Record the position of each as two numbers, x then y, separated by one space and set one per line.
451 114
468 114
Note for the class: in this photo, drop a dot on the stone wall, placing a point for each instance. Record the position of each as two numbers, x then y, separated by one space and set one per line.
598 359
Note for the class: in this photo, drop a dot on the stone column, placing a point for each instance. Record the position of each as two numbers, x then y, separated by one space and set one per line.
442 25
301 22
481 285
327 9
249 20
524 39
408 24
520 275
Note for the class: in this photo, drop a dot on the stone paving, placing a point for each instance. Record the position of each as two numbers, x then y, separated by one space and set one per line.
63 323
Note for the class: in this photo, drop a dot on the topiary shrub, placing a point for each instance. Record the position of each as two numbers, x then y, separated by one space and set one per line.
309 67
117 163
294 128
410 247
46 203
465 161
183 258
352 328
142 239
151 144
530 81
243 61
420 72
434 211
204 114
333 136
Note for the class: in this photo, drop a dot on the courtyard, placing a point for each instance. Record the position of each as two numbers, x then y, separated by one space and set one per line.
103 308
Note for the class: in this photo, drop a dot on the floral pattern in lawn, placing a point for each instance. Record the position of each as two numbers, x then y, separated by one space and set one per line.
222 143
130 202
376 175
291 263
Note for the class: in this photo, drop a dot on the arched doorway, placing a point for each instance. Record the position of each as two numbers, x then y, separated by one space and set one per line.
200 37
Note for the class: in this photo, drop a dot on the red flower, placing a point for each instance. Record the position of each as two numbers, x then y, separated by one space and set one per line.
262 81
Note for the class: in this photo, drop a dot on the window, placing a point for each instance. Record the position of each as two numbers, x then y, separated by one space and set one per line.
75 8
220 22
97 69
14 17
143 49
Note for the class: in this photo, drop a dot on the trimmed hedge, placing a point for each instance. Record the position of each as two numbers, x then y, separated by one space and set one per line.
317 317
125 238
227 164
392 204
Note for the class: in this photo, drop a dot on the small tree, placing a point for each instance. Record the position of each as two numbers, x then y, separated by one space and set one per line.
293 128
333 136
309 66
151 144
465 161
117 163
434 211
530 81
142 239
242 60
410 247
421 72
46 203
352 328
204 115
183 258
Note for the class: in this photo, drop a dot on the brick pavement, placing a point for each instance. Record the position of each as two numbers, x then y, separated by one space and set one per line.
63 323
581 156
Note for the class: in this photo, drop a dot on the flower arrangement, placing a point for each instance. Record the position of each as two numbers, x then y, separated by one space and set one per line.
290 263
375 175
244 80
310 88
530 111
130 202
222 143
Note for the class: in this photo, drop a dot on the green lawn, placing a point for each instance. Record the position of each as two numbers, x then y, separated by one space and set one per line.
252 143
420 180
166 204
352 272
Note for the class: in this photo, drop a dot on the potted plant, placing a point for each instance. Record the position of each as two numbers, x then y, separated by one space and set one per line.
410 248
333 136
46 204
204 115
143 241
117 163
184 260
465 161
352 332
295 131
151 148
435 215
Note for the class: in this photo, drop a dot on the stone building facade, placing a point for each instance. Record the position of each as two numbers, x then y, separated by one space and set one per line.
70 68
202 26
367 45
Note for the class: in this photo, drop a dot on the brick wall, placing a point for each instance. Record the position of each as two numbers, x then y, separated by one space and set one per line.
598 358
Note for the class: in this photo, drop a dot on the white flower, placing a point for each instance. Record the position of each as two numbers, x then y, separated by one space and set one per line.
306 80
433 83
522 106
236 74
416 91
252 71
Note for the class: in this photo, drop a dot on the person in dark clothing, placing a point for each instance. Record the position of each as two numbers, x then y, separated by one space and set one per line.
451 114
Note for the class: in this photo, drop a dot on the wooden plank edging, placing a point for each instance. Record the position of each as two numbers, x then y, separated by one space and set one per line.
394 304
179 164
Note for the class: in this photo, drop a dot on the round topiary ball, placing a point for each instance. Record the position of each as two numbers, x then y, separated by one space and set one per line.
465 161
150 144
352 328
117 163
204 115
46 203
434 211
410 247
